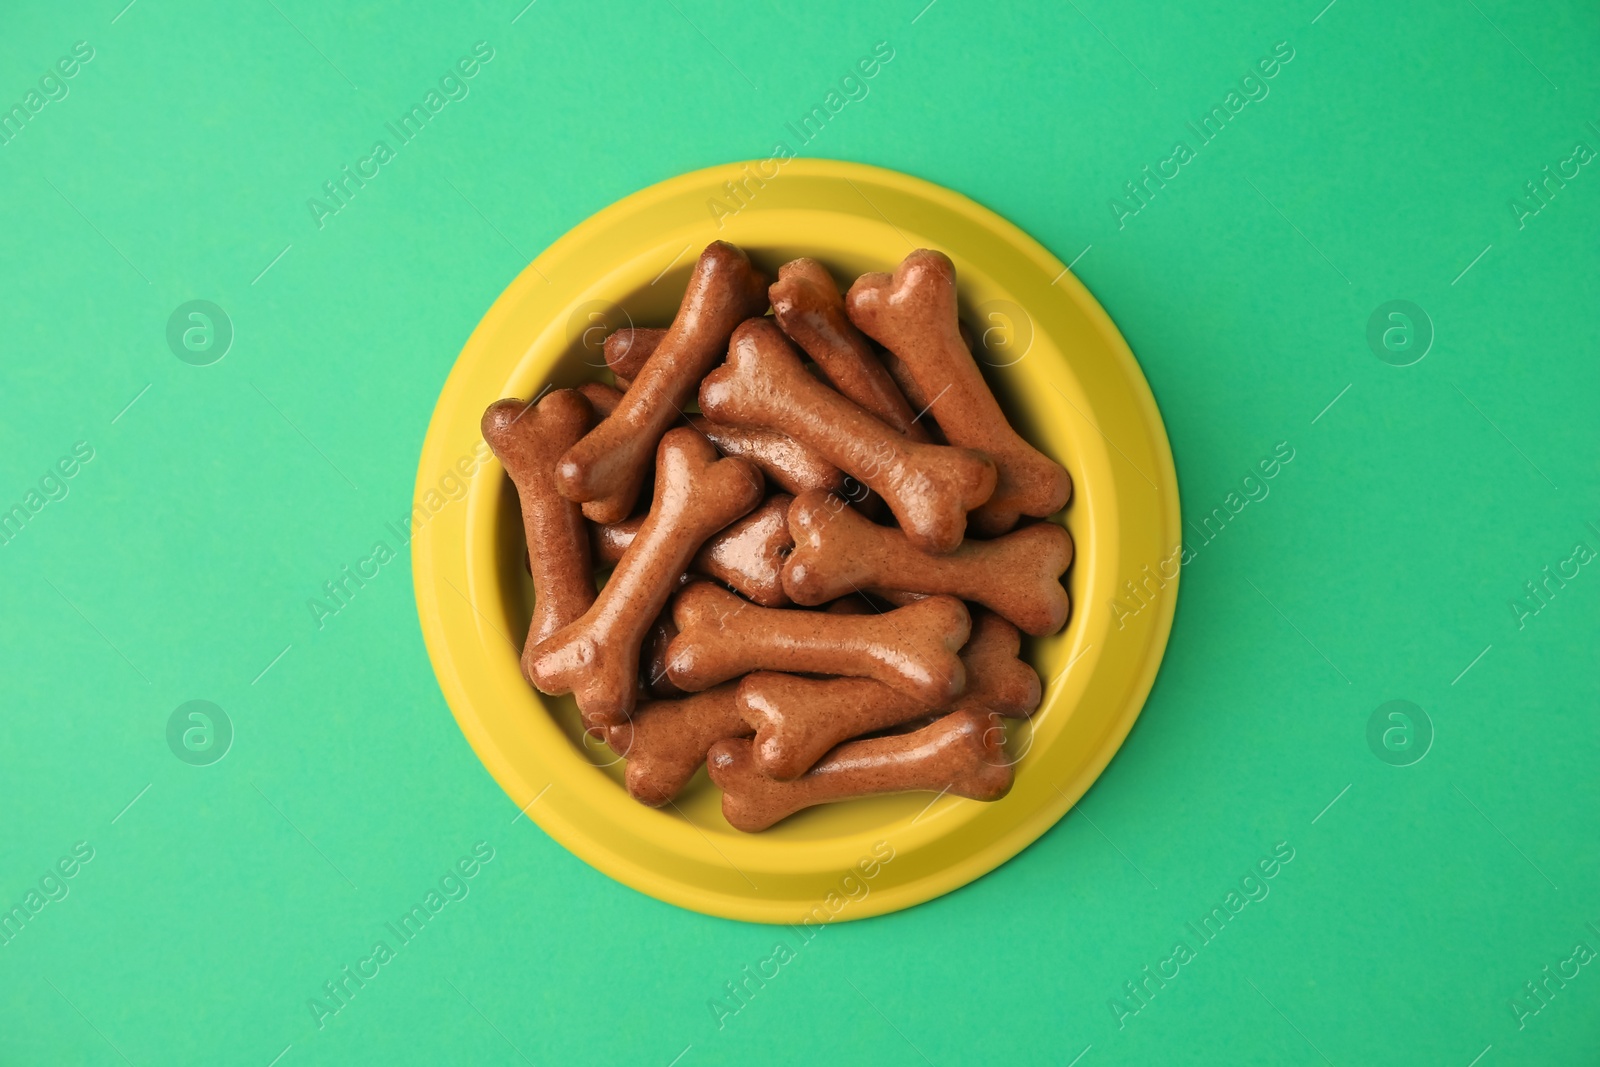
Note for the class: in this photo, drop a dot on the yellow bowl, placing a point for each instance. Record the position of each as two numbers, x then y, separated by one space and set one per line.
1068 382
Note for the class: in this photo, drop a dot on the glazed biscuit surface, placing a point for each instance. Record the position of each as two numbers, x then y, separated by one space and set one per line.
788 464
748 555
627 349
602 397
653 658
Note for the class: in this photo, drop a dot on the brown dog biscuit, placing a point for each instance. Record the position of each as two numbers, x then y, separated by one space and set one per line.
968 338
653 658
596 658
808 306
797 720
602 397
1010 686
910 726
667 740
911 649
854 604
906 381
837 552
961 753
901 373
528 438
913 314
609 541
787 463
930 488
627 349
608 466
748 555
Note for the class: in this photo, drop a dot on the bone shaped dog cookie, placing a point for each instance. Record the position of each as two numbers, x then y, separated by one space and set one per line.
607 468
807 305
596 658
930 488
627 350
838 552
748 555
901 373
653 653
911 649
961 753
854 604
797 720
602 398
787 463
528 438
667 740
913 314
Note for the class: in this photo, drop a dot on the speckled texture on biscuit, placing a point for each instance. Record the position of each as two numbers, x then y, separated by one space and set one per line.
788 464
748 555
627 350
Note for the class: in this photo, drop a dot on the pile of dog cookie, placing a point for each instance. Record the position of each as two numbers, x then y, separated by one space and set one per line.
799 607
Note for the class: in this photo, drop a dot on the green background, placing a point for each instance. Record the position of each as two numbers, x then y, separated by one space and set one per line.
1382 566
